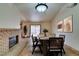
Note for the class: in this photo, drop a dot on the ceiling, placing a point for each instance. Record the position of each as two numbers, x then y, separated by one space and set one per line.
28 12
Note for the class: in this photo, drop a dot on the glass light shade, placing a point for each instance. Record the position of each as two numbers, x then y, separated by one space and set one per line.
41 7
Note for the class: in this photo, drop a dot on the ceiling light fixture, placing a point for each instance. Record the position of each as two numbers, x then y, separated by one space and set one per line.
41 7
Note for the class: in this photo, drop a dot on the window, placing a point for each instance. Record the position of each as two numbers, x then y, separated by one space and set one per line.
35 30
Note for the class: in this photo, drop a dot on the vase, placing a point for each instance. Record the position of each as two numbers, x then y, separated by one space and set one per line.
45 34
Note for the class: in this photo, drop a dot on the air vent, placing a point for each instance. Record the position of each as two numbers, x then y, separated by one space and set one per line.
71 5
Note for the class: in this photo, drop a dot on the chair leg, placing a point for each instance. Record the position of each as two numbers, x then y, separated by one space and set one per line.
63 50
40 49
33 50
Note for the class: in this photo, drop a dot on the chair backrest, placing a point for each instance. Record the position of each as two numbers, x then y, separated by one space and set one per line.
56 42
34 38
61 35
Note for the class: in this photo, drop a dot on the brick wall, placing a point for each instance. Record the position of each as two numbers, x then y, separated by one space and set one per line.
4 39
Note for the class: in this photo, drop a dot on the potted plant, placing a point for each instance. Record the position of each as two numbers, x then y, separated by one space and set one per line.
45 31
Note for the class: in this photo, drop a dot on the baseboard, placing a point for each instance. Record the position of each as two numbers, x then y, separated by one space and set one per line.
71 51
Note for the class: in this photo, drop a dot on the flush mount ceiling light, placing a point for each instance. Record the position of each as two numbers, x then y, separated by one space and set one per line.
41 7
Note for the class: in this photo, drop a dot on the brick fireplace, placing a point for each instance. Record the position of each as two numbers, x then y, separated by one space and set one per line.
4 39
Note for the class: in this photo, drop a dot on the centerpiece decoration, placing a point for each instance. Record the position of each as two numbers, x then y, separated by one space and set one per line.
45 31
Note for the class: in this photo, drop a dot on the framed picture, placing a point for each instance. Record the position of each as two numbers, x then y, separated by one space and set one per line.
60 26
68 24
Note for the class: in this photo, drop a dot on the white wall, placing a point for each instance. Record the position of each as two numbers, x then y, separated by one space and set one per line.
72 39
9 16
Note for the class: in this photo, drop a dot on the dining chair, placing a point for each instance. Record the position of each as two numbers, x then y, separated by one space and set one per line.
61 35
55 45
36 43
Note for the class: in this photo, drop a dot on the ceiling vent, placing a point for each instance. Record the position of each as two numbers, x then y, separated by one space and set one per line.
71 5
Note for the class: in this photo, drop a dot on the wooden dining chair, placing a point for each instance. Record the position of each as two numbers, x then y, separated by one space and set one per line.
55 45
61 35
36 43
